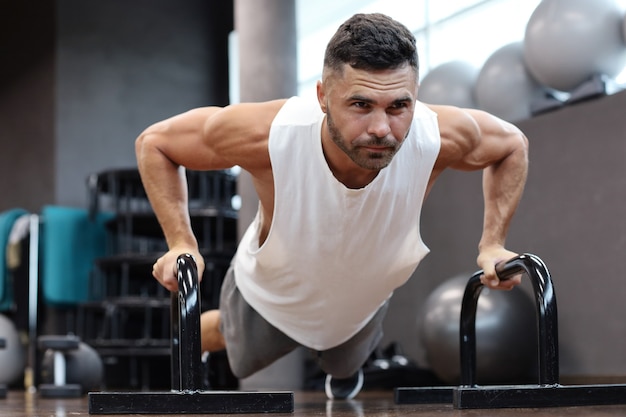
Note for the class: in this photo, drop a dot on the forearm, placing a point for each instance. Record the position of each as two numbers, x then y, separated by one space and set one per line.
503 185
166 187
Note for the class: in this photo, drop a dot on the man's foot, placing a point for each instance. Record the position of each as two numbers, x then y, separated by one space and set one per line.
344 389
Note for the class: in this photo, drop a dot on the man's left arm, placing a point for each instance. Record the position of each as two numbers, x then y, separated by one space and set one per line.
474 140
503 151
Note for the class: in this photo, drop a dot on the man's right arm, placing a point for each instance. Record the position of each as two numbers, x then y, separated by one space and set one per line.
209 138
162 150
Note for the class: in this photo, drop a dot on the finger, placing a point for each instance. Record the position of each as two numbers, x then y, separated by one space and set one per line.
491 282
513 282
509 284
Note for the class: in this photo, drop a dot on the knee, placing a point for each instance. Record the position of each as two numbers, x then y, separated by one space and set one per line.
340 367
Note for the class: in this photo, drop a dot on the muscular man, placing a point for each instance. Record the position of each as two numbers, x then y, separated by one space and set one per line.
341 181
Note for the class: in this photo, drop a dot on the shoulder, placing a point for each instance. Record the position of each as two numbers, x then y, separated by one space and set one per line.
459 133
239 132
472 139
246 117
299 111
454 120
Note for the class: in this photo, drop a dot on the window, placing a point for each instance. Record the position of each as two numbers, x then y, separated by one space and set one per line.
469 30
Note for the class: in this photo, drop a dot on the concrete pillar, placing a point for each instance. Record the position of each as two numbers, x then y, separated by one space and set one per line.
267 42
267 49
266 33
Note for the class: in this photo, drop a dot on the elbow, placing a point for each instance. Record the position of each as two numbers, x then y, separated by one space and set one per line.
149 140
151 149
147 145
141 143
522 145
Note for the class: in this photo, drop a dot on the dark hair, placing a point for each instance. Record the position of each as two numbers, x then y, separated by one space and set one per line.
371 42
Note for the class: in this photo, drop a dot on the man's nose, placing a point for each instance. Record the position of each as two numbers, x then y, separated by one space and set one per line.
379 124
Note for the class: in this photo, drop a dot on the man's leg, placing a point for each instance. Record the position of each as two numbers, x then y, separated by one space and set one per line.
210 333
251 342
343 363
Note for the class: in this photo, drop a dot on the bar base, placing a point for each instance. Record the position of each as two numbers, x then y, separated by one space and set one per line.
423 395
198 402
535 396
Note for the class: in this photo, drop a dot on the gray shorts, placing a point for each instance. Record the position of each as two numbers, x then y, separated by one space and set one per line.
252 343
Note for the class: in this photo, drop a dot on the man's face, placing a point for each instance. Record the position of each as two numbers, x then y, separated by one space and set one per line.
368 114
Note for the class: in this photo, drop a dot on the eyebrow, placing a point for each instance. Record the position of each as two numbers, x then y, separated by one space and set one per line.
357 97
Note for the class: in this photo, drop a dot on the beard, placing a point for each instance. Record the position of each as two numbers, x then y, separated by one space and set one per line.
357 150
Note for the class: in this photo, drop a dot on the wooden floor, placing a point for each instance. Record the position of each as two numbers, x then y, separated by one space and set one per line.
308 404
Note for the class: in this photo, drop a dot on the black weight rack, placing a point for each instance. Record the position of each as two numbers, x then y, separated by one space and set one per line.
126 320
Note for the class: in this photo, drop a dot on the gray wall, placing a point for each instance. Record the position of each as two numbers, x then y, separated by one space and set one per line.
80 79
89 76
571 216
26 104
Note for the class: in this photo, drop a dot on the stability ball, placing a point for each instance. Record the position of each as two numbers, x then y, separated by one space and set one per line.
624 28
451 83
506 335
83 366
12 356
504 86
568 41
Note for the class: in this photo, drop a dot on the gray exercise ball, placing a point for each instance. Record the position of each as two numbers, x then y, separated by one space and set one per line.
568 41
504 86
12 356
624 27
451 83
506 336
83 366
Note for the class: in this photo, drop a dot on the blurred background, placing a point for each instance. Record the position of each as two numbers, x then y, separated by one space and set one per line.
80 79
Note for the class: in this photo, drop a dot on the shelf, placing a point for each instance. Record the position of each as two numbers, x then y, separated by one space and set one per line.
214 188
131 312
206 223
140 263
131 347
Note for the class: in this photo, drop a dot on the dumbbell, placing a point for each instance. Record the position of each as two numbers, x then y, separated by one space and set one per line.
59 346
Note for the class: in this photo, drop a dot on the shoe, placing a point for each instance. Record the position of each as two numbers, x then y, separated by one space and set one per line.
344 389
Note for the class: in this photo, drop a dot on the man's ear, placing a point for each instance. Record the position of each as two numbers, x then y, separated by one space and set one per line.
321 95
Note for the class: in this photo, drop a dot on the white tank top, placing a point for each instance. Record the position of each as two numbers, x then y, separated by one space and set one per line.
334 255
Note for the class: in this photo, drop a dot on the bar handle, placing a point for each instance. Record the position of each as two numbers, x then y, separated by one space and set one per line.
547 318
185 326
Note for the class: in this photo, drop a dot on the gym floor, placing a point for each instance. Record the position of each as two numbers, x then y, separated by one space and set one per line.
308 404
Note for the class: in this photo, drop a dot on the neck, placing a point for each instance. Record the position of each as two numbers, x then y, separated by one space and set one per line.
343 168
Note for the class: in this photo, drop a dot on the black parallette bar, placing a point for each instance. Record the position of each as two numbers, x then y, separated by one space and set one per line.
186 396
60 391
547 318
423 395
548 392
185 318
61 343
537 396
205 402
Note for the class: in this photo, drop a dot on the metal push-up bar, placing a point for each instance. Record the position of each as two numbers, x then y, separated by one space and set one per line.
187 395
548 392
